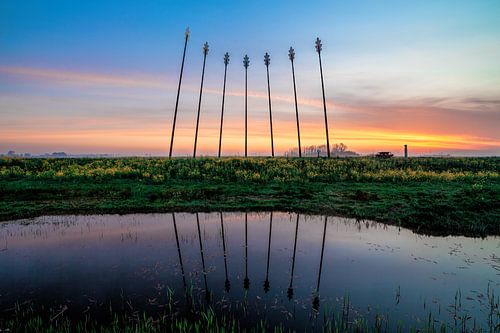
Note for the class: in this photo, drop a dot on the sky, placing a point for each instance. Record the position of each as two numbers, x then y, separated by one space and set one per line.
101 76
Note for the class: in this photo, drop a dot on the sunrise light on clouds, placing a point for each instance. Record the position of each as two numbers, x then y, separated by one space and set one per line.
95 89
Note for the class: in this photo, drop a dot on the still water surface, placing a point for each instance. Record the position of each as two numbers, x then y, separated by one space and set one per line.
286 268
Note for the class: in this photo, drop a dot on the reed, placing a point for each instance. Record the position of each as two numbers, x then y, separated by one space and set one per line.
201 316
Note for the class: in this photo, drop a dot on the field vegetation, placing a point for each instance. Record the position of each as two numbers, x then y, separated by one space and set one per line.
428 195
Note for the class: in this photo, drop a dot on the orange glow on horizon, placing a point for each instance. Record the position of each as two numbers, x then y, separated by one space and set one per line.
139 134
156 140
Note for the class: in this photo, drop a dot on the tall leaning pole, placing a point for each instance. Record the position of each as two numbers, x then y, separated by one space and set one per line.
226 61
246 63
267 61
178 93
205 52
319 47
291 56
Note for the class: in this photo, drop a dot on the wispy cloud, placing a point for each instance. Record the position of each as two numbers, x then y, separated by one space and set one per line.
135 81
135 117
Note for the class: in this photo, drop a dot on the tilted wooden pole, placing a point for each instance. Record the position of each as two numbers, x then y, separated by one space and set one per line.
291 56
226 61
319 47
178 93
267 61
205 52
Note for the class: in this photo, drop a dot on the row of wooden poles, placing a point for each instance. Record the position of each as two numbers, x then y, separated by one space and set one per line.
246 280
246 63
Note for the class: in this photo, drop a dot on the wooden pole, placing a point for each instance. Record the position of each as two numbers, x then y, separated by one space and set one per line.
226 61
178 93
291 55
205 52
246 63
319 47
267 61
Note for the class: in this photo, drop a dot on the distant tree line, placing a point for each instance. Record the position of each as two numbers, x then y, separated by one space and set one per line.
338 150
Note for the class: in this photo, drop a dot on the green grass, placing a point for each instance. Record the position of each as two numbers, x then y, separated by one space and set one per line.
428 195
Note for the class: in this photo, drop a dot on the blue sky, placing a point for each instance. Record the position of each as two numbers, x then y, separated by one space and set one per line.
417 70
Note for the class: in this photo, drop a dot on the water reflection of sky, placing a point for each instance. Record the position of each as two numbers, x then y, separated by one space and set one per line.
88 261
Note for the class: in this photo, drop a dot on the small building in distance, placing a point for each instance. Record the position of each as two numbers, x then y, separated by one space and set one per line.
59 154
384 154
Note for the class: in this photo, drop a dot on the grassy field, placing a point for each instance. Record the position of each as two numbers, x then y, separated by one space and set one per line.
428 195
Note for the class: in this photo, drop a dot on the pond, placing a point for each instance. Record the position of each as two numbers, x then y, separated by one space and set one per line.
281 267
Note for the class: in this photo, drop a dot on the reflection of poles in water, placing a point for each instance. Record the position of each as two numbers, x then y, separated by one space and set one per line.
290 287
227 284
316 296
267 285
207 292
179 251
246 281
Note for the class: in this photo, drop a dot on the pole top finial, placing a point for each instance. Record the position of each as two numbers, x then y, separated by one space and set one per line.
226 58
267 59
205 48
291 54
246 61
187 33
319 46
